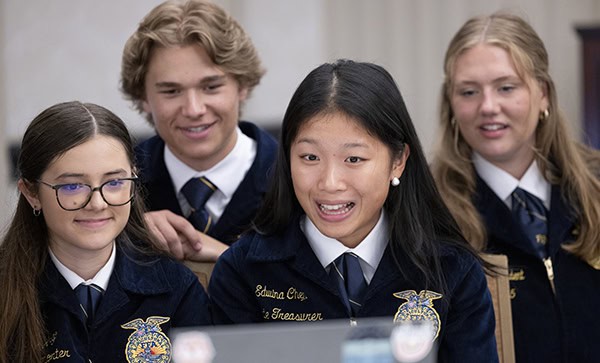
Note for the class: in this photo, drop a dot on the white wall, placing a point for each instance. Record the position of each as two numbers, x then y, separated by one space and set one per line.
74 52
60 50
410 38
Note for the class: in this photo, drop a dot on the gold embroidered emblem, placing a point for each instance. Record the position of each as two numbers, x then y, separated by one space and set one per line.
418 308
147 343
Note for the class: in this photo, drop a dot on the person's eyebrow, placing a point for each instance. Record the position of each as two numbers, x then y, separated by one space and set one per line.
115 172
348 145
352 145
208 79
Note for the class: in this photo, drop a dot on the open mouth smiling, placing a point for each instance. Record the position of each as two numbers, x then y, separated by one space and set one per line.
493 127
333 209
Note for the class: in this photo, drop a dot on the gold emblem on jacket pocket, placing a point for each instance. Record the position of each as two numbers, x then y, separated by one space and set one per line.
147 343
419 307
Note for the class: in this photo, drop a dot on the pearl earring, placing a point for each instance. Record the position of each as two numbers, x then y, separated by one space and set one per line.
395 182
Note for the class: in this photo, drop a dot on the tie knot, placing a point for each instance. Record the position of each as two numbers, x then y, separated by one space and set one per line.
197 191
345 259
524 201
529 210
89 296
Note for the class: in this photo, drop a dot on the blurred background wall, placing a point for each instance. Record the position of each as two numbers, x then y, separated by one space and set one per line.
59 50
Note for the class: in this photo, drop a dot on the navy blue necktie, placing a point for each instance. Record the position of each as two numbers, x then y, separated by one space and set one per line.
197 191
89 296
531 213
346 271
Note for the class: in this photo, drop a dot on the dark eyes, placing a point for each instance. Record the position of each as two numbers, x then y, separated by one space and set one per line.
114 184
350 159
169 91
72 188
502 89
213 87
209 88
310 157
507 88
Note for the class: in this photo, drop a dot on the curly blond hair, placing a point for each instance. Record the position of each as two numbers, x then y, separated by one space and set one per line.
193 22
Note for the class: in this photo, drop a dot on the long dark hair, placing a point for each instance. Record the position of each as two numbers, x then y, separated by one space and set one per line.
418 218
24 248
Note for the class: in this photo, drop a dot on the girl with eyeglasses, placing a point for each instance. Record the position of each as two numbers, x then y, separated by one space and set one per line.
80 280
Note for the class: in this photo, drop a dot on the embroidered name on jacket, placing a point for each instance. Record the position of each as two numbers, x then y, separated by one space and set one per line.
290 294
516 274
419 308
57 354
147 343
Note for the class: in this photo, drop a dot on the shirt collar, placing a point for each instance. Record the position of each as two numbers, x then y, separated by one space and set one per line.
101 279
503 184
225 174
370 250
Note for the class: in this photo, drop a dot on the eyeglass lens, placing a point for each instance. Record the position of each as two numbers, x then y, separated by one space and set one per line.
114 192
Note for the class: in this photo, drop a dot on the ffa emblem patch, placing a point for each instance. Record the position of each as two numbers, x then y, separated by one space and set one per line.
147 343
418 308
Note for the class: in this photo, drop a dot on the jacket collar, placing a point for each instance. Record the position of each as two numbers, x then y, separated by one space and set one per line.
292 246
251 190
132 274
561 221
266 150
501 223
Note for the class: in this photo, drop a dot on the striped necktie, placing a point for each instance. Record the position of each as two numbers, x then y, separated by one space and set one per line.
89 297
347 273
197 191
531 213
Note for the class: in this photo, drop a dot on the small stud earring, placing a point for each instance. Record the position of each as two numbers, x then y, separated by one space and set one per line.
36 212
395 182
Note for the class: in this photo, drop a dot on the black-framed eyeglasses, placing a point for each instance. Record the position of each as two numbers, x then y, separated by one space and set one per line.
74 196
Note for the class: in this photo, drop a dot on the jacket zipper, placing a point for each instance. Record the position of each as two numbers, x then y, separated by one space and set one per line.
550 272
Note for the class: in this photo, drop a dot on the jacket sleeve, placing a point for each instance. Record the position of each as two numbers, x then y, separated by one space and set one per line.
471 323
232 298
193 307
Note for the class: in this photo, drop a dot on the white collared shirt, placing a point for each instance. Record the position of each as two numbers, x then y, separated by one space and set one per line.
101 279
370 250
503 184
227 175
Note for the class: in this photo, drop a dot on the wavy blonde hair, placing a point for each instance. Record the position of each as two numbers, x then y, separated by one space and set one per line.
193 22
562 160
